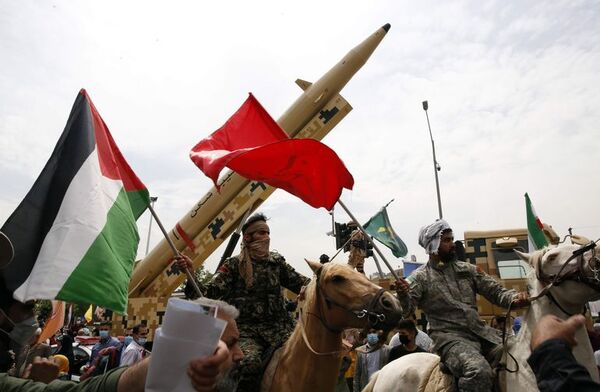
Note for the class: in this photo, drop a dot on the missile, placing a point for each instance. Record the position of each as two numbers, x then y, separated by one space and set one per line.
198 234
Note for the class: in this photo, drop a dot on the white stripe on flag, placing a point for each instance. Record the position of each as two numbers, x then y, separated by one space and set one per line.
81 217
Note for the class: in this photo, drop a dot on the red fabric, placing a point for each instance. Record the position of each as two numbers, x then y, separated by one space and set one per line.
252 144
112 163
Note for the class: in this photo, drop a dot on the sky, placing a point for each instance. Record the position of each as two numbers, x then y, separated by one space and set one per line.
513 92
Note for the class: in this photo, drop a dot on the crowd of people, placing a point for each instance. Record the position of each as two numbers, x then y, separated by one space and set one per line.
247 289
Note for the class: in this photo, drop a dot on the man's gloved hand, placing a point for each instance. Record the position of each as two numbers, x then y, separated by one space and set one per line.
521 299
551 327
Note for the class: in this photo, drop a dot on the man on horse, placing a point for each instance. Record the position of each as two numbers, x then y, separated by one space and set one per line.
252 282
445 289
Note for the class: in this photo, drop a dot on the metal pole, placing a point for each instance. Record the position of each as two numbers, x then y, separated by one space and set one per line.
369 238
436 166
233 240
189 274
377 264
152 201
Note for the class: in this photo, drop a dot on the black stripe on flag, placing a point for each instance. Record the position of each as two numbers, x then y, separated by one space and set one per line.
30 222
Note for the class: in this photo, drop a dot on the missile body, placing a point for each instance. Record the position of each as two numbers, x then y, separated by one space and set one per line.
216 215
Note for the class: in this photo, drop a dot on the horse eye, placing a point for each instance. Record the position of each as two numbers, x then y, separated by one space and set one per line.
337 279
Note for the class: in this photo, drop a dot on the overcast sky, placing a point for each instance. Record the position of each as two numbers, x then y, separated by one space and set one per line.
513 91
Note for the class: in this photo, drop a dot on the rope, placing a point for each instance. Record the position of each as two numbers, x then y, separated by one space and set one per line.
305 338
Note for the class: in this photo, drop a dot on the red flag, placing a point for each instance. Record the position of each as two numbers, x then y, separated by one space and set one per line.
252 144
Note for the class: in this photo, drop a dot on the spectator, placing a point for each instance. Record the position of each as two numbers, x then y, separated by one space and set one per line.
65 343
17 319
30 351
203 373
555 367
422 340
134 352
63 366
517 324
369 359
407 334
101 348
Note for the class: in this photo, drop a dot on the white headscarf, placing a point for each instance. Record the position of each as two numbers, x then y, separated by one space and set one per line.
429 236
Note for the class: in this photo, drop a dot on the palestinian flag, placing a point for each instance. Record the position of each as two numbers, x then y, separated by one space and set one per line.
535 227
75 233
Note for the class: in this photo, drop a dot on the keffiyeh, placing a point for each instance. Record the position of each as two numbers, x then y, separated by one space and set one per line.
429 236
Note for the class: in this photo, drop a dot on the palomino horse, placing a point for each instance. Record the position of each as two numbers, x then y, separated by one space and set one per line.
561 282
337 298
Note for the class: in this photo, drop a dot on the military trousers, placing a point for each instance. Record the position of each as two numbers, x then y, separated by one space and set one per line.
258 342
466 360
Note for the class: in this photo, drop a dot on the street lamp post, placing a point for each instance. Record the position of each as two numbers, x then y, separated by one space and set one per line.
152 201
436 165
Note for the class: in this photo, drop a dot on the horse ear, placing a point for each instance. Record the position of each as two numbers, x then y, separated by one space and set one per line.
523 256
316 267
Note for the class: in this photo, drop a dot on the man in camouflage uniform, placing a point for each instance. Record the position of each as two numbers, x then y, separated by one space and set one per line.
253 282
445 289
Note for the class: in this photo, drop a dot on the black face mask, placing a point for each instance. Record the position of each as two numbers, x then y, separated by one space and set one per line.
404 339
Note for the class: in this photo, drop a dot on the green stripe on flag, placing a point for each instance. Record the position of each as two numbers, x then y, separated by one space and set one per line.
535 231
102 277
139 201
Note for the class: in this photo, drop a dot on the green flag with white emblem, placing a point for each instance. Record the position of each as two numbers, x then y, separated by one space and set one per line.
380 228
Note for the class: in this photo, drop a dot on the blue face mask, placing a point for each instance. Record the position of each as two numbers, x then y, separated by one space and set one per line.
372 339
103 334
127 340
141 341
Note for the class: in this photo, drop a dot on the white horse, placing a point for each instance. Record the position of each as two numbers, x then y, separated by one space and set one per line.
564 281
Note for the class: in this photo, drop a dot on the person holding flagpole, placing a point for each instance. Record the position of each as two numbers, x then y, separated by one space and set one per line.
252 282
446 289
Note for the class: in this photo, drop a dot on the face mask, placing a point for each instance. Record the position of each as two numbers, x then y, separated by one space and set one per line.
372 338
404 339
141 341
127 340
103 334
23 331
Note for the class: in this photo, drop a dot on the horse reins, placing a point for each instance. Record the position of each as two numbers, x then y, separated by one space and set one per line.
373 318
576 274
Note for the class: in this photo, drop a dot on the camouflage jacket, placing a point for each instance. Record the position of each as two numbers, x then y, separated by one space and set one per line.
263 302
447 295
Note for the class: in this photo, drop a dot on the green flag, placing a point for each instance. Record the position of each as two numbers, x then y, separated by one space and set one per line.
535 228
380 228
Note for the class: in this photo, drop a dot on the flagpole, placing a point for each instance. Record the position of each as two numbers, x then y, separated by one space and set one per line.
377 264
233 240
175 251
369 238
153 199
436 166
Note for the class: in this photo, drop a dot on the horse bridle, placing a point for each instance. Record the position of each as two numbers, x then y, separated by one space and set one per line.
373 318
550 280
575 273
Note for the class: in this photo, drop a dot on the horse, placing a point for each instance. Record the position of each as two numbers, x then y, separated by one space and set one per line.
561 281
336 298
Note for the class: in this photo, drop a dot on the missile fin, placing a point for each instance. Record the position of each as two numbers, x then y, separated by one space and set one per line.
303 84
